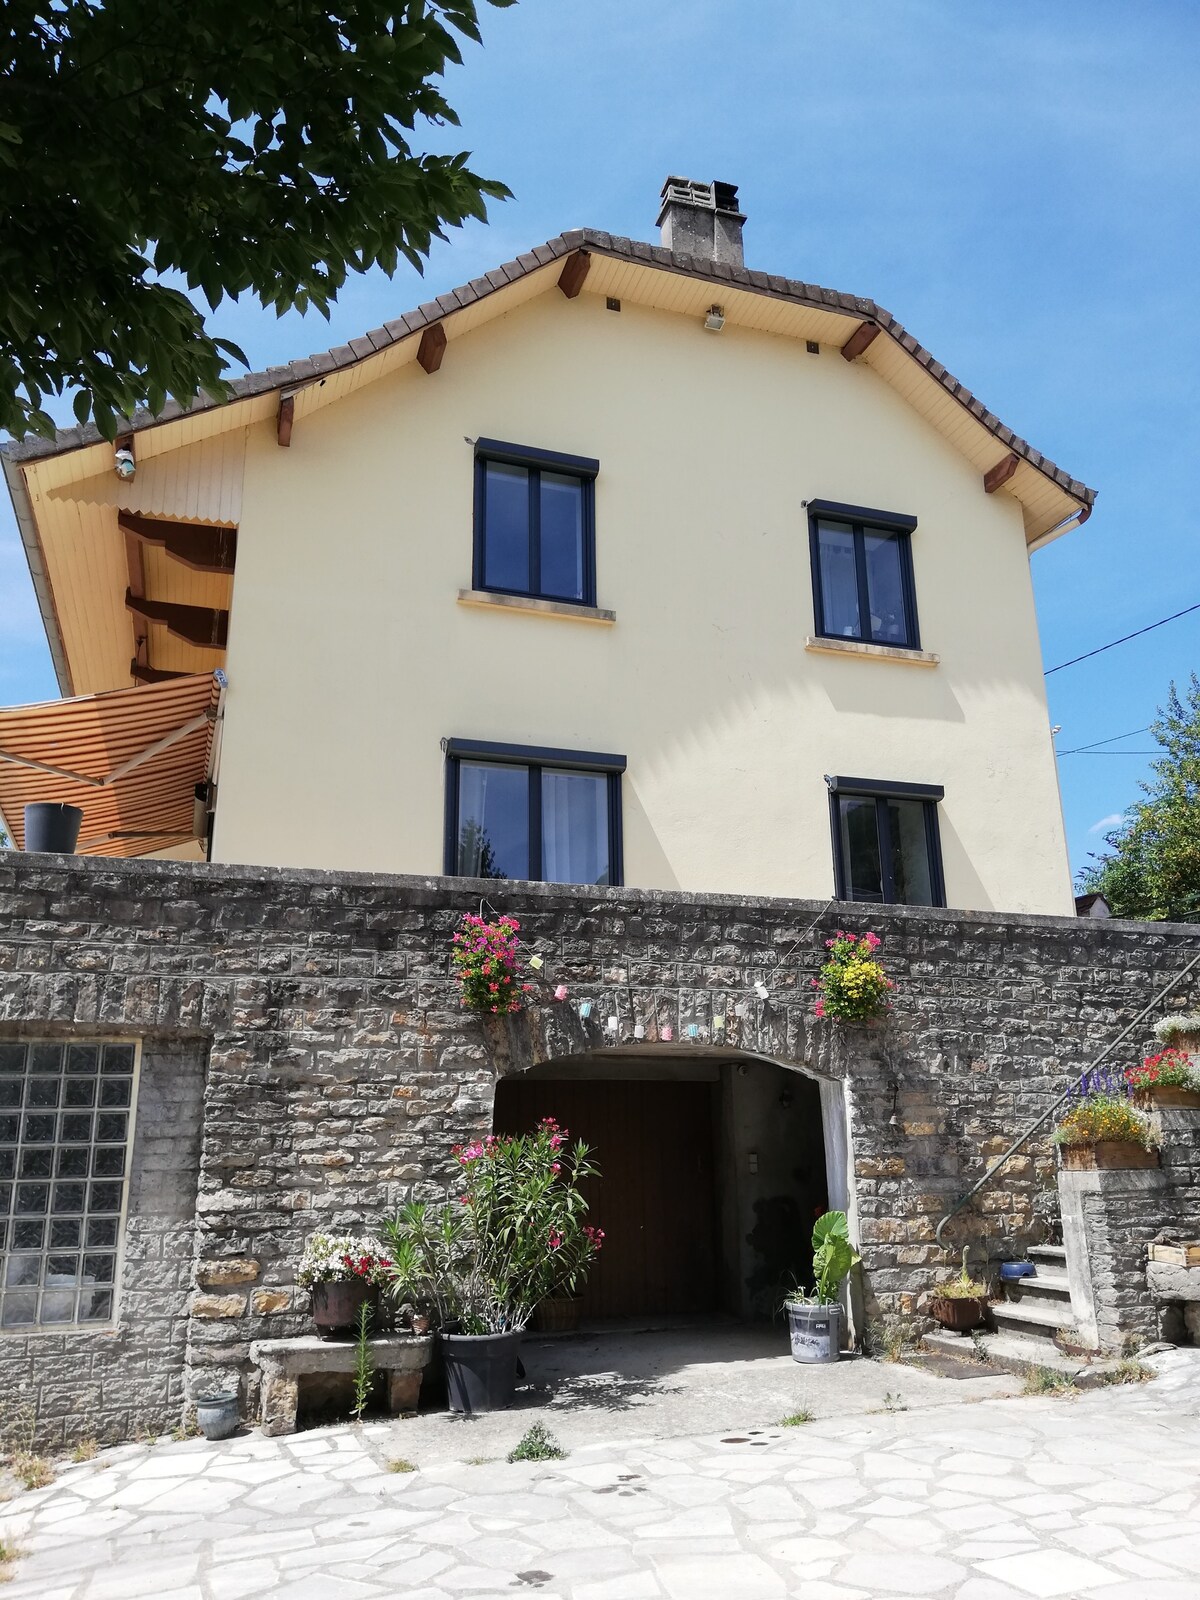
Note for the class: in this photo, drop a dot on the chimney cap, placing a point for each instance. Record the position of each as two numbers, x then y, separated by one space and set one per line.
714 196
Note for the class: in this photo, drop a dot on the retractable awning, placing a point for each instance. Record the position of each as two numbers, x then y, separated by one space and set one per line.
130 760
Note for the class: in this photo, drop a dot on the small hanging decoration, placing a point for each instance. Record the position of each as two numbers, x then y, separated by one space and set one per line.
639 1030
693 1030
719 1023
561 992
742 1009
761 990
536 963
667 1033
585 1009
613 1024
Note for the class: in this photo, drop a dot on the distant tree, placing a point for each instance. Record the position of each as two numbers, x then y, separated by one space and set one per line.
1153 872
476 853
249 145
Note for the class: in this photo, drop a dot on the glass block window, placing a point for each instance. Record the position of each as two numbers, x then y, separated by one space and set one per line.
66 1123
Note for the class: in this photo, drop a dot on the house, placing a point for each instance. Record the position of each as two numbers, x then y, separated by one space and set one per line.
621 564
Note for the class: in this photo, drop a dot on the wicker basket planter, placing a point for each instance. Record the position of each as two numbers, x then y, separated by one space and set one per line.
557 1314
1107 1155
957 1314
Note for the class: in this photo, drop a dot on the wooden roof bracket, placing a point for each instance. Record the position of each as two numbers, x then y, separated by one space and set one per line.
207 627
286 417
432 347
864 335
996 477
575 270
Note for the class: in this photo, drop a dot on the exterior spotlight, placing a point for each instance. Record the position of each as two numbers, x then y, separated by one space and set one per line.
714 321
124 464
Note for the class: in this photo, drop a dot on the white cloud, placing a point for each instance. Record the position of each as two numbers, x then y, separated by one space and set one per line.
1107 823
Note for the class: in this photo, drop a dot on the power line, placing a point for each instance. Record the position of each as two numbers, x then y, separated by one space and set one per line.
1079 748
1123 640
1110 752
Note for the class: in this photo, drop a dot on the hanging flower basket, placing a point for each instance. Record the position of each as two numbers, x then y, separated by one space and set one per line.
488 967
852 983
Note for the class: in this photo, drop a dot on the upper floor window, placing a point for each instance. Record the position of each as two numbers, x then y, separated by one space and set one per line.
862 575
522 811
534 522
886 844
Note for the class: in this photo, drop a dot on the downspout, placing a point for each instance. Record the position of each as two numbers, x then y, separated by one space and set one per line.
1069 1090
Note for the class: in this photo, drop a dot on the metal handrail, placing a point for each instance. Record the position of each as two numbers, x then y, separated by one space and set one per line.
1069 1090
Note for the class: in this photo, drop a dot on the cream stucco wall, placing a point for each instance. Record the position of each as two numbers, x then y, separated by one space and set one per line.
350 658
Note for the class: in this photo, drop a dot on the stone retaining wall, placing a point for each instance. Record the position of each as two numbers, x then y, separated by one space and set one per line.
340 1068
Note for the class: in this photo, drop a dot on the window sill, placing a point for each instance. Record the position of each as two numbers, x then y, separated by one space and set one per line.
533 607
883 652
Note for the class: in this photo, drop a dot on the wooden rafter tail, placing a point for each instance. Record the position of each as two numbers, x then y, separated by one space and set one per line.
204 626
141 674
999 475
432 347
863 336
203 548
285 419
575 270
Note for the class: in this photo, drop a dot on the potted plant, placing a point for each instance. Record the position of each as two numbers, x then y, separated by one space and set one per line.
853 985
488 965
1101 1129
344 1272
960 1303
483 1259
815 1319
1180 1030
1168 1079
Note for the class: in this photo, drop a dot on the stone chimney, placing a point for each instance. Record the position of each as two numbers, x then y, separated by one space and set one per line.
702 220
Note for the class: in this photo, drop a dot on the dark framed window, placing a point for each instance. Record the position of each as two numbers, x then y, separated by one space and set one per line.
886 844
535 522
863 574
524 811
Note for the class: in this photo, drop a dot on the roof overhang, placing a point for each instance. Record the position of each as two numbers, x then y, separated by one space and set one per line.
581 261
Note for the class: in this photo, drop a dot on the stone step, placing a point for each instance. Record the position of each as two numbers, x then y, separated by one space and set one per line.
1036 1321
1012 1352
1046 1286
1051 1254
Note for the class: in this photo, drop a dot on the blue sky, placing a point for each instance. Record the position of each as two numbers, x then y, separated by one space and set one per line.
1018 182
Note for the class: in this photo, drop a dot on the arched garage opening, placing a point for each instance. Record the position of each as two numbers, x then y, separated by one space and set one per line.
713 1170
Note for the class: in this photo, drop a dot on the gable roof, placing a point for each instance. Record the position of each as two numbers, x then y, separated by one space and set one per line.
55 469
371 343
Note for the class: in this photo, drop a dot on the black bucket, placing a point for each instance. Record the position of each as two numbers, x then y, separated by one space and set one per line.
481 1370
50 825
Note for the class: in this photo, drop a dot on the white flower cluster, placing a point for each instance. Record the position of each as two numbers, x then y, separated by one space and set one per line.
1175 1023
324 1259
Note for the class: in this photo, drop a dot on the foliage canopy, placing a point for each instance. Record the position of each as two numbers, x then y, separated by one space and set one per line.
1153 872
242 146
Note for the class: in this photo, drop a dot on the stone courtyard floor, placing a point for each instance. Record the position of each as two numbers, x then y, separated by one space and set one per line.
975 1499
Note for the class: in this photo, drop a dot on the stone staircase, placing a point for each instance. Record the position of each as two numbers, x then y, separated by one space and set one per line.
1027 1321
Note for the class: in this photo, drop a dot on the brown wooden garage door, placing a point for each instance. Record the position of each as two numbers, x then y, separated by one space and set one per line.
656 1197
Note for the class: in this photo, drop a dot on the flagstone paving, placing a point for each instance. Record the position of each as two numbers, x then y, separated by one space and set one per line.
1005 1499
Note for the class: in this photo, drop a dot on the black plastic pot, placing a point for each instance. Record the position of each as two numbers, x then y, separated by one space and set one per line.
50 825
481 1370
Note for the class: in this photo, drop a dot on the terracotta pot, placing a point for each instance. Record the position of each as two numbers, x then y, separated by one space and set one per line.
960 1316
1165 1094
558 1313
1108 1155
335 1306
